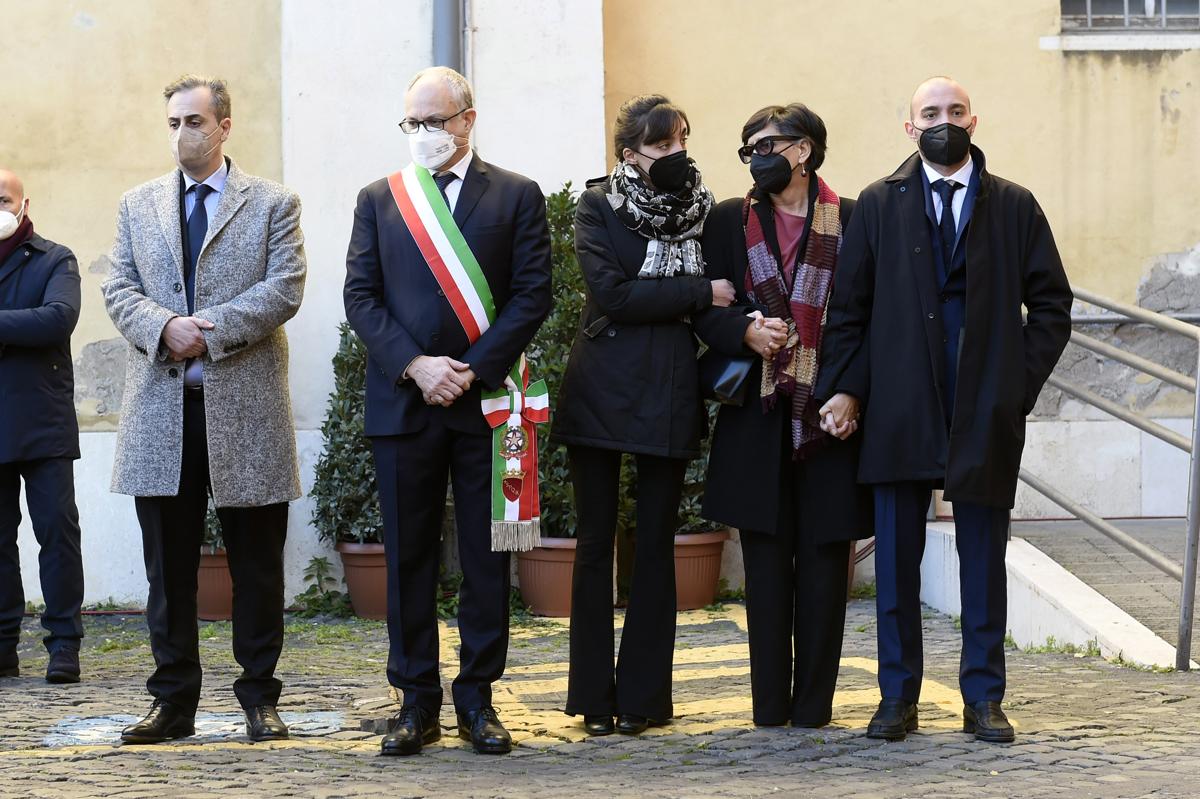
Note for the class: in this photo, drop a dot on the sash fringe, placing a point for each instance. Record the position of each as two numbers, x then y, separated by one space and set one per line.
515 536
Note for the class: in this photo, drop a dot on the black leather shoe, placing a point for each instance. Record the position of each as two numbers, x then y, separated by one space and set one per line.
988 722
64 666
599 725
893 720
629 724
164 722
10 665
263 724
409 730
485 732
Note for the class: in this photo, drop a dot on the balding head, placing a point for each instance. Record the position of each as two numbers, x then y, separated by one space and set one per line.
442 97
12 192
11 185
935 93
939 101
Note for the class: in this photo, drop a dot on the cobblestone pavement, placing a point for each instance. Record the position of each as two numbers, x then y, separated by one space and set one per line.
1086 727
1129 582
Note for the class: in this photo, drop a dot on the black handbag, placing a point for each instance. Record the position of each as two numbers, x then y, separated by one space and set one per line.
723 377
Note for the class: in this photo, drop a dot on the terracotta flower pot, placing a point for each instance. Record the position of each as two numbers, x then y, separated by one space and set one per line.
365 567
545 576
214 586
698 568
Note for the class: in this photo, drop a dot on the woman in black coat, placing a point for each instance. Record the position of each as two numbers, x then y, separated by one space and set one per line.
631 387
777 471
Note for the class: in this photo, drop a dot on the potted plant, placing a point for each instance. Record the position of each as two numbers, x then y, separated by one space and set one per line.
699 543
544 573
346 500
214 585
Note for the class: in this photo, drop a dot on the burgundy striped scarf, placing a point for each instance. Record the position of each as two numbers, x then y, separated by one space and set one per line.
792 372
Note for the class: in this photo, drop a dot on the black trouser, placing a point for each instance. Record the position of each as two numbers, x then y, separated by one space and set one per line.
50 494
412 472
641 685
795 612
172 534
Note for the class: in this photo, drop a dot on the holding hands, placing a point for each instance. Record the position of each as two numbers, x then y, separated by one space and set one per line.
184 337
765 336
441 379
839 416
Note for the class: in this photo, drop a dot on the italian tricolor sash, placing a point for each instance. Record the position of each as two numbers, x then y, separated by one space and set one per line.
511 411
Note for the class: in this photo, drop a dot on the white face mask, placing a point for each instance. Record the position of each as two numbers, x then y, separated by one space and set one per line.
431 148
9 222
187 145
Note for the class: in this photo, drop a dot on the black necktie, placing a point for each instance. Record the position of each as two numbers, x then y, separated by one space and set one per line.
197 229
945 190
443 180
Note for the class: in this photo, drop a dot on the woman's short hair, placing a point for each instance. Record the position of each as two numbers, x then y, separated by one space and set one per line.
646 119
794 119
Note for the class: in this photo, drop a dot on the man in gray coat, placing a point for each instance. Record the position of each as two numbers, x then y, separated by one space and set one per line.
207 266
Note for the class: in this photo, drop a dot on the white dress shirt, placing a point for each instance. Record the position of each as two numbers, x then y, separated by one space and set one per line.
962 177
193 374
216 182
455 186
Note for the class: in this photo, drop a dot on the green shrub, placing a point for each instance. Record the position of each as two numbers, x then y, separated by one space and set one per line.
346 498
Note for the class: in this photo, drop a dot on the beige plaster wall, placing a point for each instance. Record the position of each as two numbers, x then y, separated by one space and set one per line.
82 121
1109 142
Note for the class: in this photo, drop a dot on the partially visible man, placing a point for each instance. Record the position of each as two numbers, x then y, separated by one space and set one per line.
937 262
447 280
39 434
207 266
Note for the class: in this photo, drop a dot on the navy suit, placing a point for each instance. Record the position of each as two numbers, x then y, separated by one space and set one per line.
39 436
394 304
981 533
954 370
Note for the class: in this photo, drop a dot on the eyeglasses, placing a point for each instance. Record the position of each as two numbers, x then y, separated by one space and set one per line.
764 146
412 125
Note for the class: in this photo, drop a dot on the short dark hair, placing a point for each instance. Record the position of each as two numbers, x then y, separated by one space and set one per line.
222 106
794 119
646 119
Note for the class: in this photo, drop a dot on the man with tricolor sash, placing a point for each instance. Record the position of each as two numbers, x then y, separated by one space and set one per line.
447 280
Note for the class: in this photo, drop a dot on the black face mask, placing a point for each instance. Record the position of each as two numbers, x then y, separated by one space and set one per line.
946 144
772 173
672 173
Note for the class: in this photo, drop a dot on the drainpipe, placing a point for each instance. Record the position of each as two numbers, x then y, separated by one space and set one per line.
448 34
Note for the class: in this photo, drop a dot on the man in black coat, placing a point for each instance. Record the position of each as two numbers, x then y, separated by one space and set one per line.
423 411
936 265
39 434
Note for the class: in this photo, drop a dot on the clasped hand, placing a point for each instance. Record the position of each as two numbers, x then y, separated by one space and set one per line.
184 337
765 336
839 416
441 379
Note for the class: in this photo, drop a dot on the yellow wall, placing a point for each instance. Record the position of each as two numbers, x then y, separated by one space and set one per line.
83 120
1109 143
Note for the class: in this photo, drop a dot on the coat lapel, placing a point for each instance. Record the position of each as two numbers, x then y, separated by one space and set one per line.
166 203
233 197
474 185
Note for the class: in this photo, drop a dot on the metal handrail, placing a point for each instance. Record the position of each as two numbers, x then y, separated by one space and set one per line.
1121 412
1185 572
1145 365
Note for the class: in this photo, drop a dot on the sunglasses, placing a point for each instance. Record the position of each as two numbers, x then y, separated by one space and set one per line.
764 146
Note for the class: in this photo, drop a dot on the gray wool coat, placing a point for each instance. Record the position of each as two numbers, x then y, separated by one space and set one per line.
249 281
